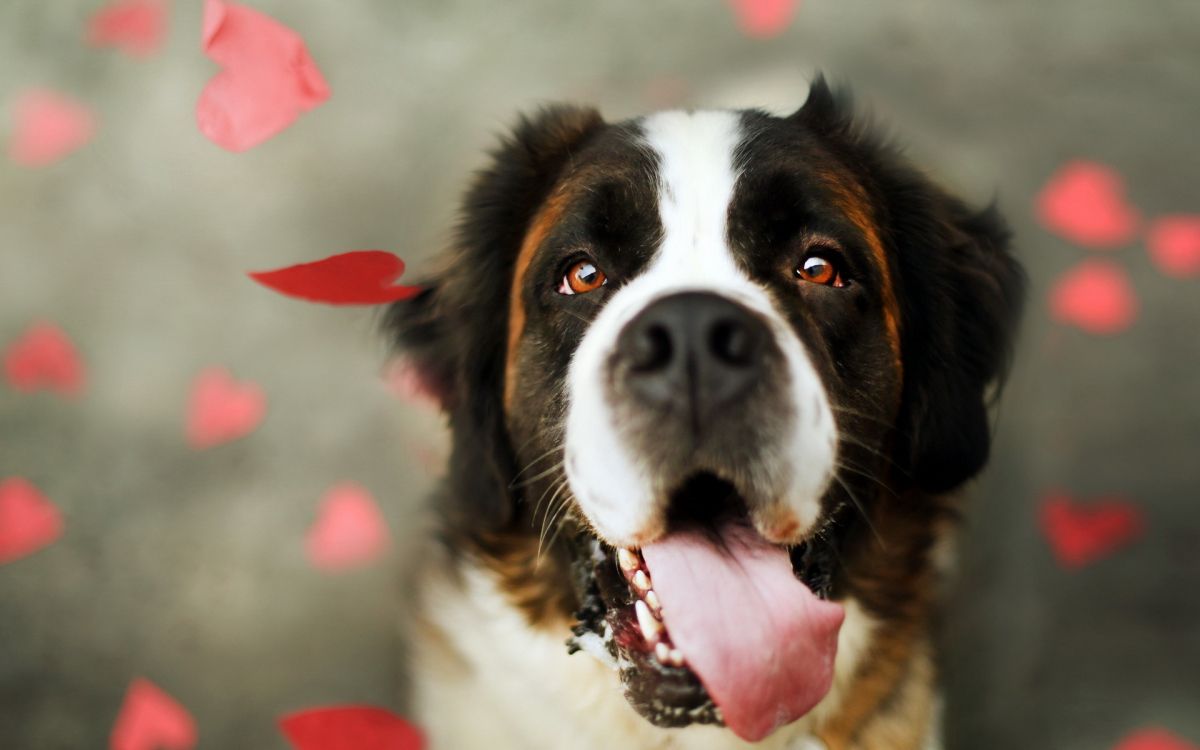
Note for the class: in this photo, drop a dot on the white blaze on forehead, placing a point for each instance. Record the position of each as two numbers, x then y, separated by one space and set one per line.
695 153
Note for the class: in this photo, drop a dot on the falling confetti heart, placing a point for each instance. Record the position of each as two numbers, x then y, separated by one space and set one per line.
763 19
152 720
361 277
1155 739
44 358
49 126
1085 203
1082 534
406 381
349 531
268 79
1174 243
1096 296
221 409
28 520
349 728
136 27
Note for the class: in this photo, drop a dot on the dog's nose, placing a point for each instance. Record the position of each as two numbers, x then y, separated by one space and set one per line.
695 350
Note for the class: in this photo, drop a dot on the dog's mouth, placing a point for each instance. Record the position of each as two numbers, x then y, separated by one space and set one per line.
712 624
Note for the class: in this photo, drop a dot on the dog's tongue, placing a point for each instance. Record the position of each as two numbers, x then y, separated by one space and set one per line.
762 644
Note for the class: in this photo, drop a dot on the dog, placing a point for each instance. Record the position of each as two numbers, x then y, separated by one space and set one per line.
714 380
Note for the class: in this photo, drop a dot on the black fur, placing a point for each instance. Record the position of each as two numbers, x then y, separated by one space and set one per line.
456 330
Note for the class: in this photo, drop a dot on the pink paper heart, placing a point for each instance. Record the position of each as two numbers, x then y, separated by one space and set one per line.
44 358
763 19
221 409
1174 243
151 720
48 127
1095 296
28 520
1081 534
1155 739
349 532
349 728
136 27
359 277
1085 203
268 80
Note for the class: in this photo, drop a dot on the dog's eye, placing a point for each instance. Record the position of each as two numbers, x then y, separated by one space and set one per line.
820 269
581 278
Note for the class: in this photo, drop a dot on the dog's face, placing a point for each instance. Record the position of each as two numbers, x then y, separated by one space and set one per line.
684 354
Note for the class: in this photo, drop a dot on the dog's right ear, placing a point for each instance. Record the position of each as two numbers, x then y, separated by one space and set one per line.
454 333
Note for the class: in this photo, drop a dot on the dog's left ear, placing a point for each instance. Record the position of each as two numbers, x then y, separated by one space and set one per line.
961 293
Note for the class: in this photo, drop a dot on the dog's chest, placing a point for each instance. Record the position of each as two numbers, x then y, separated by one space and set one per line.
485 679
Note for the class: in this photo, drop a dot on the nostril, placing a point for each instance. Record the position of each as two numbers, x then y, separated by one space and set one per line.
733 342
651 349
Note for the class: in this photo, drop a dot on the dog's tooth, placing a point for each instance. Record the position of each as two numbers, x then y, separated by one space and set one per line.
674 656
651 628
627 559
641 581
662 651
652 600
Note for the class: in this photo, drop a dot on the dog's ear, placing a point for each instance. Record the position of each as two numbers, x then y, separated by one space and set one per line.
961 293
454 332
959 289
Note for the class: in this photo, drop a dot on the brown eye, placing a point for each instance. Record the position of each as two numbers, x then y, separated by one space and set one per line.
818 269
581 278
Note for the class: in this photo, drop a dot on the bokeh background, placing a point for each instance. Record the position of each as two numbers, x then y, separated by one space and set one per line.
188 567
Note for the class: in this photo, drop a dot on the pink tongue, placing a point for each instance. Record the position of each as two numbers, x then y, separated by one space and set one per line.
761 643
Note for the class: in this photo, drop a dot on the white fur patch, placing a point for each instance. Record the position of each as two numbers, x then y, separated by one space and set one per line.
697 180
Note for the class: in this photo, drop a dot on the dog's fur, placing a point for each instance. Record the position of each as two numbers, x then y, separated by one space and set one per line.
899 368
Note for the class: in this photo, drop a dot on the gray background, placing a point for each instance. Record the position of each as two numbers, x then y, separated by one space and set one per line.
188 567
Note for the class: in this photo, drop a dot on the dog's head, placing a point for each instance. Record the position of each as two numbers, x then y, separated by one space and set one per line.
685 355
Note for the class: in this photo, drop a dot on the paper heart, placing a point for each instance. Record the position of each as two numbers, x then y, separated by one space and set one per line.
349 532
48 127
136 27
1174 243
1095 296
44 358
268 80
349 728
221 409
1085 203
151 720
28 520
1082 534
361 277
1155 739
764 19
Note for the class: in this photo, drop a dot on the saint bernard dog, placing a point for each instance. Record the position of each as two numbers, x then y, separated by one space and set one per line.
713 380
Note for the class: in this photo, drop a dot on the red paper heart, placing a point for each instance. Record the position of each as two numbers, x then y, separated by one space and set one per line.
349 728
361 277
221 409
1174 243
1155 739
349 532
1096 296
1082 534
268 80
28 520
136 27
44 358
49 126
152 720
764 19
1085 203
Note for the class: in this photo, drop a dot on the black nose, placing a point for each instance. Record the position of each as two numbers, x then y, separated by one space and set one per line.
693 350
